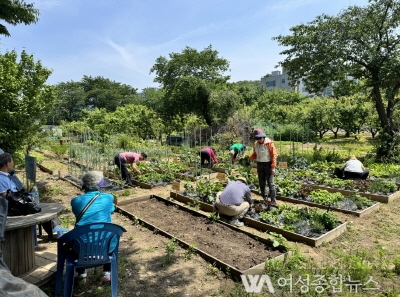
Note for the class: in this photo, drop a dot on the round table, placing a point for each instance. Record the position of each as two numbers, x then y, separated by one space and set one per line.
18 247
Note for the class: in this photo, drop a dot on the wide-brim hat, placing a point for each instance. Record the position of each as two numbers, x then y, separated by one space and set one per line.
258 133
242 179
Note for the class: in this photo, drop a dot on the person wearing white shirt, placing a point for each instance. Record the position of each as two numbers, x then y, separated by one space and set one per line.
352 169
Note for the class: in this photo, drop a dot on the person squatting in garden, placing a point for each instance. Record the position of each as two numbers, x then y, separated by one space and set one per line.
9 181
231 202
208 154
236 151
128 158
352 169
99 211
264 152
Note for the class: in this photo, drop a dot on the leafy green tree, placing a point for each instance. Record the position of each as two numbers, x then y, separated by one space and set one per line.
317 115
104 93
188 79
278 105
15 12
152 98
352 113
361 42
70 102
25 99
129 119
249 90
223 105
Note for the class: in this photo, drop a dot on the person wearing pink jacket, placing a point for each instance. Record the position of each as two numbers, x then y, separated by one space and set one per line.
208 154
128 158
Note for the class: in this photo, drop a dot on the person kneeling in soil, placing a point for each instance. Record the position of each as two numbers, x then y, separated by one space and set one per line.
231 202
99 211
352 169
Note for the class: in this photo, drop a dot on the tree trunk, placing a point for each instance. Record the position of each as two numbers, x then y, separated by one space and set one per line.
387 135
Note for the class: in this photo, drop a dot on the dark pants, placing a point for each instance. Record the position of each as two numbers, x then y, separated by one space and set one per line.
205 156
340 173
265 177
122 167
50 225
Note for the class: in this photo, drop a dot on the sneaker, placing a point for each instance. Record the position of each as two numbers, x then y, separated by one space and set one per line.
106 276
237 223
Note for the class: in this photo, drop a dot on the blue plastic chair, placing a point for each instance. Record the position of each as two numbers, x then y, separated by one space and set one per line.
92 253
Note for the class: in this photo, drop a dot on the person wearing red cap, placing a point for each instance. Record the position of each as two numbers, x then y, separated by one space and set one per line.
264 152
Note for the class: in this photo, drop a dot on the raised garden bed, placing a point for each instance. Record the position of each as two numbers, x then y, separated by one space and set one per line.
229 248
223 170
358 213
189 175
374 197
312 241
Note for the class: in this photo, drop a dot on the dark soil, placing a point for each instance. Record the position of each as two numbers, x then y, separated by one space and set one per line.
228 245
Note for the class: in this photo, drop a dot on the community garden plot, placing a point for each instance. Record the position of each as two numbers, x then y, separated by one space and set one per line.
380 190
232 250
310 226
382 197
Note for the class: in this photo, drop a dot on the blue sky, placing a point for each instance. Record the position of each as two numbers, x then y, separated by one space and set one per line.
121 39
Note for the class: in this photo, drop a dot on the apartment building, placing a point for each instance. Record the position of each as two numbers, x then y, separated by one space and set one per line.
280 80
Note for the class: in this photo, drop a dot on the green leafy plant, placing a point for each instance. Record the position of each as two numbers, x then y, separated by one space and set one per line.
396 263
170 252
189 253
326 198
126 192
194 204
278 239
214 216
383 186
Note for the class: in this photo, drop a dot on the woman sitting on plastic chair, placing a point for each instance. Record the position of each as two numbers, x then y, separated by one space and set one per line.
99 211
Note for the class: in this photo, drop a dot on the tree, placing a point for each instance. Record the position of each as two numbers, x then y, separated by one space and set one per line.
317 114
104 93
70 102
278 105
188 79
15 12
361 42
25 99
249 90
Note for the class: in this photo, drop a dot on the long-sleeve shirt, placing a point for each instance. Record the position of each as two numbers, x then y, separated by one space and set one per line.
235 192
269 145
130 157
211 153
6 183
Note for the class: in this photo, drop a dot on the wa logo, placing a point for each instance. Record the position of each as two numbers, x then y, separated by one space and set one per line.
255 283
